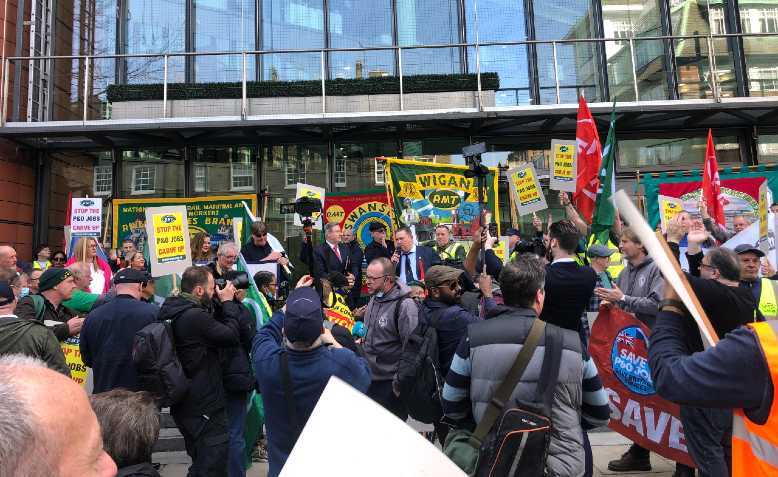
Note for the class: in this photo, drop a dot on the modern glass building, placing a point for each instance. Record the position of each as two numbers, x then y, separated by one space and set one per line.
153 98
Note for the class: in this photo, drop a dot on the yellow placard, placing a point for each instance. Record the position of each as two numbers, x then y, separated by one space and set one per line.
669 207
169 237
563 165
528 196
72 352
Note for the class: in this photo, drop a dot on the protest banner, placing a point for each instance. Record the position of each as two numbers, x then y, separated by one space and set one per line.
619 347
420 458
212 215
764 226
312 192
357 210
168 232
86 217
669 207
338 311
425 195
564 165
72 352
751 236
740 190
525 187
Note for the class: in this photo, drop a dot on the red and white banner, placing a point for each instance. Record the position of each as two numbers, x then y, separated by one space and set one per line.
619 346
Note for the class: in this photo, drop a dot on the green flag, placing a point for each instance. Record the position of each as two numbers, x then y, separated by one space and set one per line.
604 212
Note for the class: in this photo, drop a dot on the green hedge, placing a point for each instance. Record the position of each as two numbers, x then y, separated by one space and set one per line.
337 87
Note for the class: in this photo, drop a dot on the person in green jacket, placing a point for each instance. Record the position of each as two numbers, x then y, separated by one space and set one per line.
27 337
82 299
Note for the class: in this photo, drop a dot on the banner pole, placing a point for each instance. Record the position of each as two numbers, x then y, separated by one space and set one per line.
106 222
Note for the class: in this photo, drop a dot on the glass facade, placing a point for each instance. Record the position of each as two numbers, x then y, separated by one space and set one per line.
288 25
224 25
361 24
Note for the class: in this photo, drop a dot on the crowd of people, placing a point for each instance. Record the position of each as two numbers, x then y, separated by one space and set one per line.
482 312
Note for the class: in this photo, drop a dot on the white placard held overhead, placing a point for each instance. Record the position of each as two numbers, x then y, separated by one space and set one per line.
168 231
86 217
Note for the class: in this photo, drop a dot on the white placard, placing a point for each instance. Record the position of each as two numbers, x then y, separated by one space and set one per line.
86 217
525 187
640 227
306 190
386 446
272 267
564 165
167 229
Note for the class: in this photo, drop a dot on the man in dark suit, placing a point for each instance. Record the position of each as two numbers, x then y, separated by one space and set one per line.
379 247
334 256
355 256
412 261
569 286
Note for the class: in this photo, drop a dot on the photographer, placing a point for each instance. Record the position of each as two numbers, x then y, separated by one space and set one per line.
237 376
201 336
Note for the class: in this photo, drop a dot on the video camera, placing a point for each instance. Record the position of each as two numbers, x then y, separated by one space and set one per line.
240 280
305 207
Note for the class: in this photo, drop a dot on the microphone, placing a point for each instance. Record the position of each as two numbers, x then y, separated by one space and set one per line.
286 269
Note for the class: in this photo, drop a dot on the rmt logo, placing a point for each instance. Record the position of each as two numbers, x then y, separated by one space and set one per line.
168 219
87 203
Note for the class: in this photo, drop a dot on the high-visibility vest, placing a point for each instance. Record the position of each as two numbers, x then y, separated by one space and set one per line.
767 299
43 266
615 264
754 446
450 252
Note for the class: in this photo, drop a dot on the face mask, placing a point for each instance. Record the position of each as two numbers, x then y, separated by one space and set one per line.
25 291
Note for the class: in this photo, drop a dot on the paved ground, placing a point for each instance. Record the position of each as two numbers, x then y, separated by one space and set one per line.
605 445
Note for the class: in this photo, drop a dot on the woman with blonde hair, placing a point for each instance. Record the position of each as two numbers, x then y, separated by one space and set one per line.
85 251
136 261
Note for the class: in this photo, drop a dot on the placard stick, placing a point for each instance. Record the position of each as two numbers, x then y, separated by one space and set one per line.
107 221
659 250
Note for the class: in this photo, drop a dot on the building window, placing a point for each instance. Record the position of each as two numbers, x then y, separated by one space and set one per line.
340 172
242 176
103 180
380 171
768 20
143 179
295 171
200 178
718 25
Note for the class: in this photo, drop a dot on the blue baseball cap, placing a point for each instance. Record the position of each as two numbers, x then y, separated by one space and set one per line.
512 231
304 316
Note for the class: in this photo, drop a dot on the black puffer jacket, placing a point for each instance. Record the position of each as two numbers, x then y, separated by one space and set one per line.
237 373
199 337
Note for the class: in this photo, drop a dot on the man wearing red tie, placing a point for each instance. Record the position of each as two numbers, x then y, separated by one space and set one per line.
333 256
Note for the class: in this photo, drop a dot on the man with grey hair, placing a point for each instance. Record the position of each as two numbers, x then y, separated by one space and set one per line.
38 437
226 256
130 427
390 318
82 300
8 258
334 256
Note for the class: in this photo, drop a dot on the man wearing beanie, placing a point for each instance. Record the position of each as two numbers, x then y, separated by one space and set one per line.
27 337
294 357
55 286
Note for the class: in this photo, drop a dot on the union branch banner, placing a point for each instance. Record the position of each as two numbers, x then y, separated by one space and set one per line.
204 214
740 187
425 194
619 346
357 210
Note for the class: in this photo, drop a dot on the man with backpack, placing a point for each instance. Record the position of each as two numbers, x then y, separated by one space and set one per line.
390 318
550 385
442 312
107 336
199 336
55 286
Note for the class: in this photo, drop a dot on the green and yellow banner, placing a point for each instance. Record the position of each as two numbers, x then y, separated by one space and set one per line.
425 194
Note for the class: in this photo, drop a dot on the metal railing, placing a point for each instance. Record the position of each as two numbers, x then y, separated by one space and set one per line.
399 52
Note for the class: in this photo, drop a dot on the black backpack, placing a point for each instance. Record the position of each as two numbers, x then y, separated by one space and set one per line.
157 365
419 374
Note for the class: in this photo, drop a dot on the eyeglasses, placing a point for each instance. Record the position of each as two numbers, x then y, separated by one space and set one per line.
711 267
372 279
259 235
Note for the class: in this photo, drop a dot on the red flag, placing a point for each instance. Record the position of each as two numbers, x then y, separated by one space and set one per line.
711 184
589 161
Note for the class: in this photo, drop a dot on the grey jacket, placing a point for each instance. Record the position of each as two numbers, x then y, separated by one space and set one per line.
494 345
385 340
643 290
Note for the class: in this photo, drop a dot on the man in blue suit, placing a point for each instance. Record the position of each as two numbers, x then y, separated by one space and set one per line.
412 261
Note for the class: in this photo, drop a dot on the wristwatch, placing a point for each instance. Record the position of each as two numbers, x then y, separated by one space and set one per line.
676 306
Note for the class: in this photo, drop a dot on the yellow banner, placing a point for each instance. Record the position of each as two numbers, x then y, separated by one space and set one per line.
72 352
669 207
169 240
435 183
339 313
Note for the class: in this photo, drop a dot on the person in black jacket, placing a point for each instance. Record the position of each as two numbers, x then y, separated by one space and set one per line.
200 336
411 261
237 377
109 331
379 247
356 256
333 256
569 286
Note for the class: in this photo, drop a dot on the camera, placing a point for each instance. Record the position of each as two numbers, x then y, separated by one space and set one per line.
240 280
